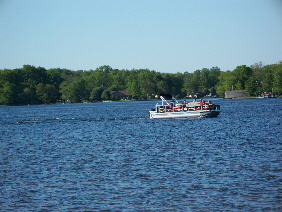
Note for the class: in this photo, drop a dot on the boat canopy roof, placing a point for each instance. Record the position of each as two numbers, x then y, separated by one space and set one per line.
166 95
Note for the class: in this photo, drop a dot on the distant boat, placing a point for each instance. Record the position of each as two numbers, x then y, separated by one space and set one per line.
174 109
267 95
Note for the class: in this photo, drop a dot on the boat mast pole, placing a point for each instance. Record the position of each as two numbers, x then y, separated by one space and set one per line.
163 100
175 99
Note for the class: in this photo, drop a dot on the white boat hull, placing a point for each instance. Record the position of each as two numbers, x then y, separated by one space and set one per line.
184 114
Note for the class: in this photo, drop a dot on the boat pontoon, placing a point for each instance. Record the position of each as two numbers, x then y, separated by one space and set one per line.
175 109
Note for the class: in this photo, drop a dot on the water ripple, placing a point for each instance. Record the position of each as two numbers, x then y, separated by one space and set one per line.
77 158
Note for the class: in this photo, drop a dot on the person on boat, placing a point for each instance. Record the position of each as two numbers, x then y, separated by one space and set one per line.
171 104
195 100
184 104
202 103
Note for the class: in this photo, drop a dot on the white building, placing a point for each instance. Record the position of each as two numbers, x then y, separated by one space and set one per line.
235 93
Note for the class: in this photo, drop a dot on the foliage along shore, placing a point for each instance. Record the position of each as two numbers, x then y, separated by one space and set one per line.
36 85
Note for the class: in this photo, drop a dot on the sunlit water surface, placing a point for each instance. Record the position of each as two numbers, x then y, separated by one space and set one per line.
111 157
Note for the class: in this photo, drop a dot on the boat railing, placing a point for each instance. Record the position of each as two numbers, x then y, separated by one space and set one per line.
191 106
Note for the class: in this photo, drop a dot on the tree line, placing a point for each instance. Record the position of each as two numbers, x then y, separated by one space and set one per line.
36 85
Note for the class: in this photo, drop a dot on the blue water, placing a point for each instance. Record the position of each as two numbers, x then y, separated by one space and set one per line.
111 157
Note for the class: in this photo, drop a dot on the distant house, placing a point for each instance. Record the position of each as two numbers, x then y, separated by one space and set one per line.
236 93
123 94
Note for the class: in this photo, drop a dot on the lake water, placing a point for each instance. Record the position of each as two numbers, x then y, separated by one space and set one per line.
111 157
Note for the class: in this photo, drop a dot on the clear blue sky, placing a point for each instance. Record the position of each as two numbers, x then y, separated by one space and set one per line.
162 35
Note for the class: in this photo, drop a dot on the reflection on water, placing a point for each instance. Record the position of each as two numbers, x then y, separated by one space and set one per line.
111 156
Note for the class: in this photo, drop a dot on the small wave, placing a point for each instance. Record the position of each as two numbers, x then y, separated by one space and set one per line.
74 119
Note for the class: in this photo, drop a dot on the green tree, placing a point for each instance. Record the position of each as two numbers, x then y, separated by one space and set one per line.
162 87
96 93
268 78
12 79
102 76
106 95
146 83
27 96
54 77
251 86
177 85
34 85
133 87
9 94
46 93
188 86
32 76
242 74
277 79
196 81
213 79
118 79
204 81
77 91
64 91
227 81
258 74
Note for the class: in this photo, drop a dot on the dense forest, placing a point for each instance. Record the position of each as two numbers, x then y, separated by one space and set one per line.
36 85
